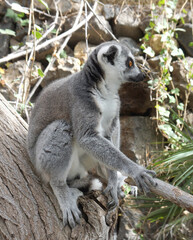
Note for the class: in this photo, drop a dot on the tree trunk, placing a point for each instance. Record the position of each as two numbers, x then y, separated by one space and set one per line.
29 209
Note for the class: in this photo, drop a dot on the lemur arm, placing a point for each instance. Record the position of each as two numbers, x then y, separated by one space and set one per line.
104 151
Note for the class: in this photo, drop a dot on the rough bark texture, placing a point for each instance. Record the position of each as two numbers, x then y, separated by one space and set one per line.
171 193
28 209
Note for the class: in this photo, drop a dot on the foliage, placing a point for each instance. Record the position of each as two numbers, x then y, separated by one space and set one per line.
176 162
17 17
164 22
177 167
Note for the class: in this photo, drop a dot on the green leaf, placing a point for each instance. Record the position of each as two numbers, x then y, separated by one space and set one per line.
37 34
152 24
48 57
168 130
24 22
163 111
44 3
40 73
17 17
11 14
54 31
177 52
7 32
184 11
161 2
63 54
149 51
171 99
176 91
182 20
190 44
180 106
21 15
146 37
38 28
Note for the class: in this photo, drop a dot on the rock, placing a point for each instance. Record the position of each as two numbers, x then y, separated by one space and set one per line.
110 11
96 31
154 63
6 23
14 45
127 25
80 51
157 45
131 44
144 23
65 67
135 99
189 118
12 78
2 9
184 38
138 135
63 6
44 52
21 32
179 77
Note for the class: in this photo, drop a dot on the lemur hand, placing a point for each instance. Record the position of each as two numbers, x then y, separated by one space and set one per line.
144 179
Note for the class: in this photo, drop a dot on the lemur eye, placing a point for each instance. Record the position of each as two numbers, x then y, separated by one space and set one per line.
129 62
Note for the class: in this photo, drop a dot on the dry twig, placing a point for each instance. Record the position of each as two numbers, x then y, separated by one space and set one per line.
60 50
21 53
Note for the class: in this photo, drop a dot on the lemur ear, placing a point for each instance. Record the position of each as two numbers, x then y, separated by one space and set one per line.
110 54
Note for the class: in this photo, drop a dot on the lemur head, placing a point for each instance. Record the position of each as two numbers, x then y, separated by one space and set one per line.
118 63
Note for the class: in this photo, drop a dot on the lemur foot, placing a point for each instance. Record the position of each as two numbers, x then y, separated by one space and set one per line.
111 192
70 211
67 199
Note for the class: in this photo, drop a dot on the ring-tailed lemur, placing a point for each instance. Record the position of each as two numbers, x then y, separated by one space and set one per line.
75 126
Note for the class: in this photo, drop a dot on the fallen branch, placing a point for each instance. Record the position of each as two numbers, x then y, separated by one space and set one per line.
171 193
21 53
55 56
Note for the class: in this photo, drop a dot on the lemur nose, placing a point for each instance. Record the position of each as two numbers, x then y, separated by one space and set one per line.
140 77
144 75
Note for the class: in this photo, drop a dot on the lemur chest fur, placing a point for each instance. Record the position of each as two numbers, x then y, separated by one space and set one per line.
108 104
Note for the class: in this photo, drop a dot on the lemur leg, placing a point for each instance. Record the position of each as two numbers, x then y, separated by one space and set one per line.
53 161
115 179
111 190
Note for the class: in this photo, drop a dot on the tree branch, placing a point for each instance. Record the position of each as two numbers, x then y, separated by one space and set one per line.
171 193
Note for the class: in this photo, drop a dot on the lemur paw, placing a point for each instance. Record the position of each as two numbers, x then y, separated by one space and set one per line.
144 179
111 193
70 211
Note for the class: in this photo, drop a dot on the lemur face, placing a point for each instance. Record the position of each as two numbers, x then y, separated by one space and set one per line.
118 63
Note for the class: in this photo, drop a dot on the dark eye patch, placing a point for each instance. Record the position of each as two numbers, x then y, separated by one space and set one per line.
110 54
129 62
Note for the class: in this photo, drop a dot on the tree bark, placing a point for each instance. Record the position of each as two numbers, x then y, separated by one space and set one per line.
171 193
29 209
